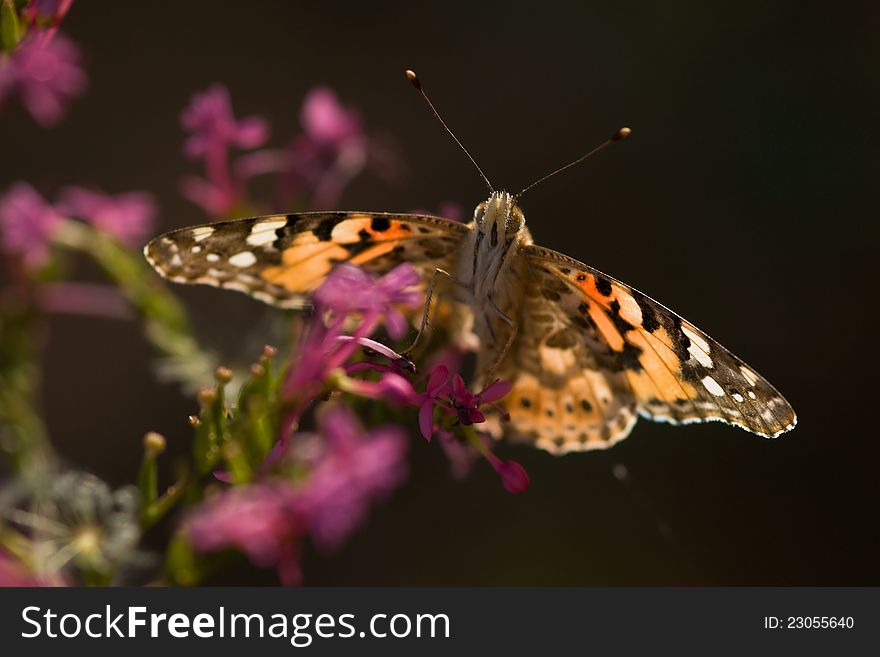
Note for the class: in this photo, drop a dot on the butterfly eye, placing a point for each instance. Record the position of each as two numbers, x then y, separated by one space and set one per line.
480 211
516 222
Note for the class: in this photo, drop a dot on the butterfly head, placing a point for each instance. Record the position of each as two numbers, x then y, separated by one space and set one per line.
499 218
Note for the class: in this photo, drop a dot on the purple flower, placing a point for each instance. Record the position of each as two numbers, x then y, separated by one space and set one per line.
357 469
350 289
467 404
127 217
209 117
450 394
46 73
332 150
326 121
261 520
26 224
438 383
215 129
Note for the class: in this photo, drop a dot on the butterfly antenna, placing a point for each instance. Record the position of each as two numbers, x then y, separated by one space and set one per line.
620 135
414 79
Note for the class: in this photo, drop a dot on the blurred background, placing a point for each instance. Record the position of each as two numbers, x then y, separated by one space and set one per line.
743 201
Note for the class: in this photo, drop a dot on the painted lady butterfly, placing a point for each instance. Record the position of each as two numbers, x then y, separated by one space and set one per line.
586 353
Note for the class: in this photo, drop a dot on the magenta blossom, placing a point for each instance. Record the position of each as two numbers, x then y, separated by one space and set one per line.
451 395
26 224
350 289
209 117
215 130
332 150
127 217
323 349
356 469
46 73
261 520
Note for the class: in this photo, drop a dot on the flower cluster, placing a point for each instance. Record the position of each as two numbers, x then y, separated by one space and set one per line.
38 63
28 221
320 484
311 171
285 457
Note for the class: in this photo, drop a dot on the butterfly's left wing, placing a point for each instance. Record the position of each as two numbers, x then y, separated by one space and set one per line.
676 372
282 259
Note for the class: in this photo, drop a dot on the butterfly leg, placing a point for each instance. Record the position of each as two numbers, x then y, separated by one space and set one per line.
514 329
429 298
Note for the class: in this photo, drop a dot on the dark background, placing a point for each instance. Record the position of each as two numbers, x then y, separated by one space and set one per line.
742 201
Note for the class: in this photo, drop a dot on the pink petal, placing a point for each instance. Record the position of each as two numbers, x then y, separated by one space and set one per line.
426 420
495 391
438 379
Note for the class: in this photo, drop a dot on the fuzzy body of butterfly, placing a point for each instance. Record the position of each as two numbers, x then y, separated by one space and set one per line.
586 354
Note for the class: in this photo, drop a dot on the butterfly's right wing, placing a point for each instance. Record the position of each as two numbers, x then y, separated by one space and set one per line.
567 394
282 259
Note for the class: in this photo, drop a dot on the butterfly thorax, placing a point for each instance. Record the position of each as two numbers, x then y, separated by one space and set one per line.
491 265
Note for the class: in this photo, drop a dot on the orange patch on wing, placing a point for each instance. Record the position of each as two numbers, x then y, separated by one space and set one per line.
658 377
606 327
304 267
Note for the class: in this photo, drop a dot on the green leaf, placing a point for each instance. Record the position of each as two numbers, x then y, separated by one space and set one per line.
10 28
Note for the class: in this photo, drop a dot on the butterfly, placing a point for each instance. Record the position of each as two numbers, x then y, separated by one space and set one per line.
586 354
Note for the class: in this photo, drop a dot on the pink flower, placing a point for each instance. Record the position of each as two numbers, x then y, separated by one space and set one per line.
215 130
450 394
351 289
437 384
332 150
46 73
357 469
209 117
326 121
261 520
127 217
26 224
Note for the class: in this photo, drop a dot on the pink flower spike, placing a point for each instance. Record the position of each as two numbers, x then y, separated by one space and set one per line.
210 118
46 74
26 224
127 217
325 120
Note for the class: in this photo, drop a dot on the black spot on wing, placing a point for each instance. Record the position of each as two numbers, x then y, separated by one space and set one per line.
324 230
649 317
680 342
629 357
603 286
620 323
380 224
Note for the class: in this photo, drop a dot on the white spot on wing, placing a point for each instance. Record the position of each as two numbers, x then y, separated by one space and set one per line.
264 232
212 257
243 259
750 376
698 347
202 233
196 249
738 397
751 395
712 386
